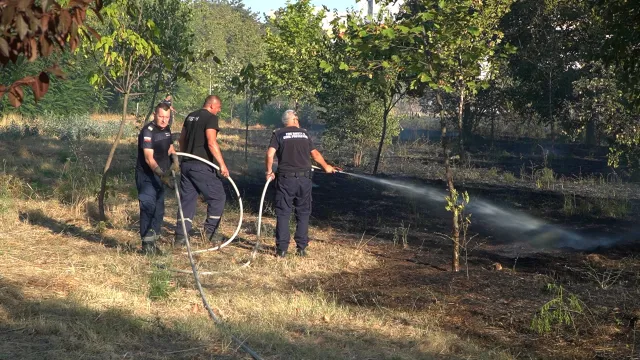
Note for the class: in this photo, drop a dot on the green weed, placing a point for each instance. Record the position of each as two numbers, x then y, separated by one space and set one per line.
400 235
558 311
613 207
492 173
509 177
544 178
160 285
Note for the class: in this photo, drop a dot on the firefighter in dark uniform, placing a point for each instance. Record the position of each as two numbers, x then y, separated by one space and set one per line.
294 149
199 137
152 170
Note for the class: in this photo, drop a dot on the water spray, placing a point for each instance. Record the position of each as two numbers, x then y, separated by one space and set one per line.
534 231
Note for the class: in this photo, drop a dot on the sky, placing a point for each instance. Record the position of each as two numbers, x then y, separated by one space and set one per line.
265 6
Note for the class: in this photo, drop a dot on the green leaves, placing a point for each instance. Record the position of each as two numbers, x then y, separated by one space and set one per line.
294 42
474 30
325 66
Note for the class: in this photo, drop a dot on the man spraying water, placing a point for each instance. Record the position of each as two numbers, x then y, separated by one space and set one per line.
293 147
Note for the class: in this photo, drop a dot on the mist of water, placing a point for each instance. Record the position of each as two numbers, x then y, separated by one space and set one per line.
518 226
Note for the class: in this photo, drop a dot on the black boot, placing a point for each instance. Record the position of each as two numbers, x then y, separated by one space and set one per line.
281 253
150 248
179 241
213 237
301 252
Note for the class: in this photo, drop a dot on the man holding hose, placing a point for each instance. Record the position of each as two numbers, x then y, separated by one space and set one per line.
294 149
152 170
199 137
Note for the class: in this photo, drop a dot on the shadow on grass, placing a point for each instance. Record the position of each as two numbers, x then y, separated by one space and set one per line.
64 329
38 218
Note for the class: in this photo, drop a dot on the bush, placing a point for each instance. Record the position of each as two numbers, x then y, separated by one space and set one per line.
271 115
73 127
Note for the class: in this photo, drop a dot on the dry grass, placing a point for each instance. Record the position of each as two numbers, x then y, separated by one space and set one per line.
71 287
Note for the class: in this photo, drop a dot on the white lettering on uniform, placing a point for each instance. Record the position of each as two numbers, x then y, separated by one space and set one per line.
295 135
193 118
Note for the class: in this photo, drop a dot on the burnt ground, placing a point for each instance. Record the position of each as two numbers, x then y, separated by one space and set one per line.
533 242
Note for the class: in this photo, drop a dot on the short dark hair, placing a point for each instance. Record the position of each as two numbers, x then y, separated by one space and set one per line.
211 99
162 106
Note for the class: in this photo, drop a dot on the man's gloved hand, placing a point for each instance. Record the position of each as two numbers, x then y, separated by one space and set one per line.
167 179
175 165
164 177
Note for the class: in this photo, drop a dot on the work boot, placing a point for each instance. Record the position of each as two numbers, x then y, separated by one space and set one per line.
179 241
301 252
214 237
150 248
281 253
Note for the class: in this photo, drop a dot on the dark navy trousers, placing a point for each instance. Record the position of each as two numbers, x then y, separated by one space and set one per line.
199 178
292 192
151 199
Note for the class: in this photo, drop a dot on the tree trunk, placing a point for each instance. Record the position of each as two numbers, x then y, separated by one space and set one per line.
385 115
590 137
246 127
461 123
455 235
553 123
357 157
107 165
467 123
493 129
156 89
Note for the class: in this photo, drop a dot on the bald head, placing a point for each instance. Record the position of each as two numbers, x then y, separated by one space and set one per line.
212 104
211 99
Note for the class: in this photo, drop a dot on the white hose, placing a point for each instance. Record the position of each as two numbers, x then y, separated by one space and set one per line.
264 192
239 201
196 277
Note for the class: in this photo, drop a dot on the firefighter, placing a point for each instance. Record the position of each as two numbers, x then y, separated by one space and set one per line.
152 170
294 149
199 137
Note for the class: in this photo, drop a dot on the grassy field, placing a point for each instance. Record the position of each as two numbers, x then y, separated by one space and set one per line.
374 287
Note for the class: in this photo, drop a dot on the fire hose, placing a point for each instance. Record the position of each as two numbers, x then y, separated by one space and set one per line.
218 322
218 247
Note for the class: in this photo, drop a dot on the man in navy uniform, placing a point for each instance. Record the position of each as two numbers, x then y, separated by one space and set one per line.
294 149
152 170
199 137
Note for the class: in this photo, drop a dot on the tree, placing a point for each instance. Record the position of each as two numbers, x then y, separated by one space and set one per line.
447 45
549 37
175 39
124 56
246 82
352 112
371 61
31 29
615 24
294 42
620 23
234 36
